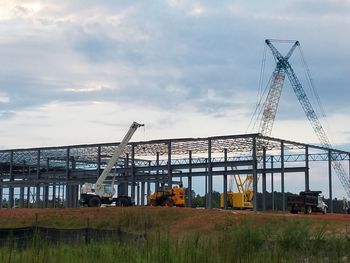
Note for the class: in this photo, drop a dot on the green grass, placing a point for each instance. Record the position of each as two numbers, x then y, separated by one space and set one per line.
244 240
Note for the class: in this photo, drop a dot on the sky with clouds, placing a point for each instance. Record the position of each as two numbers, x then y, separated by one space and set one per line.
76 72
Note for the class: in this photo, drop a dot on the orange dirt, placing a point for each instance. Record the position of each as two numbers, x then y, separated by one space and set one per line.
178 220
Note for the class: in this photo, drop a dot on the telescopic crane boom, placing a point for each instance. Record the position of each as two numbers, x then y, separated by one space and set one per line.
99 193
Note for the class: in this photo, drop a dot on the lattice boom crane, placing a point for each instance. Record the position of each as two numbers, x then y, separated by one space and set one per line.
270 107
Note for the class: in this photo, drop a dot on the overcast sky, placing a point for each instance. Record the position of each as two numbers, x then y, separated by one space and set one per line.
76 72
81 71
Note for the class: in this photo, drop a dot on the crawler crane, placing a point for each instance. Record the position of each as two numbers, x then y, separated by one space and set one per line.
269 110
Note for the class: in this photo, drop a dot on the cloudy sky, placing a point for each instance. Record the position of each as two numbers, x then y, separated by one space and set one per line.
76 72
81 71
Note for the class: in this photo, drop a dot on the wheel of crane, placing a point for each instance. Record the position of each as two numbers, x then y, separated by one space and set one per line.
94 202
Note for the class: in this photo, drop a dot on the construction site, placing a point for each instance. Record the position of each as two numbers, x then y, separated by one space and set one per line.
58 176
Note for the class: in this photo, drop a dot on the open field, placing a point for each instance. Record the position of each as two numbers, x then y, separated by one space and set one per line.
186 235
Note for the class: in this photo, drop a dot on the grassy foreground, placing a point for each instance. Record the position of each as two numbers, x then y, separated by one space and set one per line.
173 235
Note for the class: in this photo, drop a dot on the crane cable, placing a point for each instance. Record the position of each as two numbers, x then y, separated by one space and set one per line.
315 94
260 94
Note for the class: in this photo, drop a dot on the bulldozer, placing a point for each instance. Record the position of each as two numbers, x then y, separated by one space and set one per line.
169 197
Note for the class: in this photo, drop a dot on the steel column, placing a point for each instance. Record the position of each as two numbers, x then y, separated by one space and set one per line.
225 179
264 180
142 193
282 178
170 181
1 189
210 177
330 180
68 192
133 180
11 189
272 188
37 198
255 177
46 194
156 184
307 175
189 186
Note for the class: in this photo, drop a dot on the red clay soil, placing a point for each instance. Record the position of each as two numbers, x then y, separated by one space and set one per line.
178 220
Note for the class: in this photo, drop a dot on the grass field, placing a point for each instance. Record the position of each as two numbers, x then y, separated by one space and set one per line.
186 235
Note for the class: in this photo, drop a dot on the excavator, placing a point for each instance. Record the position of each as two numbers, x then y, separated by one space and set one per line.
169 197
94 195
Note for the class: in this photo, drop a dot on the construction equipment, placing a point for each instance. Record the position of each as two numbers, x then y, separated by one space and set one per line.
93 195
243 199
168 197
307 202
283 64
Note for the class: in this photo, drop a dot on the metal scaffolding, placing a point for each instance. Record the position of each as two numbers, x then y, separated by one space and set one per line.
52 176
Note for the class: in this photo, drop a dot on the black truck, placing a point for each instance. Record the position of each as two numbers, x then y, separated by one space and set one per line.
307 202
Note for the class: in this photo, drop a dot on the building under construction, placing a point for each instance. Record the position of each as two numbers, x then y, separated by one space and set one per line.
52 176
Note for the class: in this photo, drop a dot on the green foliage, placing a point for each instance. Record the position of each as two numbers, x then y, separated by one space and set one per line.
246 240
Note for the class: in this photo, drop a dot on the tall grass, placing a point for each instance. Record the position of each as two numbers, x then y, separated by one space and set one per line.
240 241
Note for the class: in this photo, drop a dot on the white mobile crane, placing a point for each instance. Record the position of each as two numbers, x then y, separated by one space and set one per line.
93 195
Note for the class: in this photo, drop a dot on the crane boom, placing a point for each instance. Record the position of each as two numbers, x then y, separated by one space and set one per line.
96 194
309 112
273 97
115 157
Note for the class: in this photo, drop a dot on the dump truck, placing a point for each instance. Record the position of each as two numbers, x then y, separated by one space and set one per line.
307 202
174 196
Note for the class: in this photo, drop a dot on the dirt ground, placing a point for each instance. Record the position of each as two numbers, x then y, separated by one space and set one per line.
178 219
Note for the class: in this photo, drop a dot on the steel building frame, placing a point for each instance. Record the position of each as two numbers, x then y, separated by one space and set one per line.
52 176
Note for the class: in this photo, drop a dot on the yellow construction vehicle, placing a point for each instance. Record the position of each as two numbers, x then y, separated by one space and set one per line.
169 197
243 198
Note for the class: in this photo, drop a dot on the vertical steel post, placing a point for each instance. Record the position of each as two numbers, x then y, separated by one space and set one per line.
37 196
98 162
189 186
282 178
307 174
255 177
210 177
330 180
1 188
46 194
156 184
137 193
225 179
264 179
54 195
11 188
133 180
170 182
68 192
28 196
272 188
21 190
142 193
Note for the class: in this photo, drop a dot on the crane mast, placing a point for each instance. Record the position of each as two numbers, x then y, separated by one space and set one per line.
284 65
273 97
